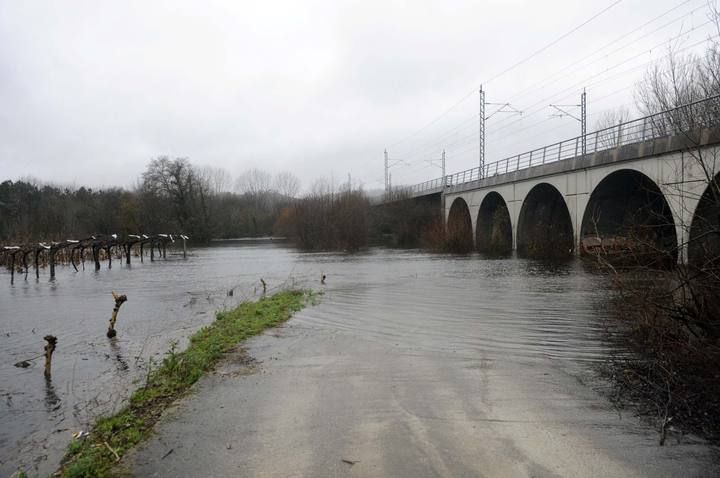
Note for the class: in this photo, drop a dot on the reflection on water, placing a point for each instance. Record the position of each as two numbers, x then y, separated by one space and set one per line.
52 401
484 308
122 365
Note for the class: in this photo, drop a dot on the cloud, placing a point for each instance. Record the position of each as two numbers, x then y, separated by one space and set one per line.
91 90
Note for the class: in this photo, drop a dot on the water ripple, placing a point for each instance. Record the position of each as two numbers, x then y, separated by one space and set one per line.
505 309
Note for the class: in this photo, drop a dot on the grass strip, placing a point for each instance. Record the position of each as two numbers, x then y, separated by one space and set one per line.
113 436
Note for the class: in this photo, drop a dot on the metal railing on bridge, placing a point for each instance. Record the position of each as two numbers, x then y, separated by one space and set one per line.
698 114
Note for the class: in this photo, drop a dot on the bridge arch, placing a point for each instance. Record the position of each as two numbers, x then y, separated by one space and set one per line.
628 213
544 227
459 232
493 228
704 237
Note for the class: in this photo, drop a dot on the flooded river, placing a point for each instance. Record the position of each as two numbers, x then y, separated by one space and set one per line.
546 317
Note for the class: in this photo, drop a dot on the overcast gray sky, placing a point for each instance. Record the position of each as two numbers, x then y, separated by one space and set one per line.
91 90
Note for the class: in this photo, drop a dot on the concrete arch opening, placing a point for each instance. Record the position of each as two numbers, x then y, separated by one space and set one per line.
628 218
544 228
704 238
494 229
458 235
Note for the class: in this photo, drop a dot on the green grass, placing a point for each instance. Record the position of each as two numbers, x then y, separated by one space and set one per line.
94 456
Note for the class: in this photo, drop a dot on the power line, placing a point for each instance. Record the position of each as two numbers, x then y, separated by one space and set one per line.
514 136
444 135
577 64
505 139
512 67
554 42
514 133
574 64
438 140
455 147
542 132
584 81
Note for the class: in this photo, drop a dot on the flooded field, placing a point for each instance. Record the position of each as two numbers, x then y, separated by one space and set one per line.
505 310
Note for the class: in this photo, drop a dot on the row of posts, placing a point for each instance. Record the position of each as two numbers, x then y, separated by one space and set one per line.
95 244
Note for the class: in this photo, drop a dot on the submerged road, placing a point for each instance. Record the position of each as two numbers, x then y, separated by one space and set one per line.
348 388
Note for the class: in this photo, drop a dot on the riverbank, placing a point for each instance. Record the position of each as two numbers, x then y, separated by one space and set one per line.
96 454
669 328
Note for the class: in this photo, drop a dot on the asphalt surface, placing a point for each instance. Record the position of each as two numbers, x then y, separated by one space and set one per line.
322 401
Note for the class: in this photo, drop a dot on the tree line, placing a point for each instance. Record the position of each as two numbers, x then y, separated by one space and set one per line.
171 196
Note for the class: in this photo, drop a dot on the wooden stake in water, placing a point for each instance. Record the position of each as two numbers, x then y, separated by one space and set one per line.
119 300
49 349
264 286
96 255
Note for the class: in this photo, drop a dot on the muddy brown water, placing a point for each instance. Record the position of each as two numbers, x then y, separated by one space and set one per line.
501 309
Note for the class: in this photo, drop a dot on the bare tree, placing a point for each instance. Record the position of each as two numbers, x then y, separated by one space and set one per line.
612 117
169 178
669 84
219 179
681 80
286 184
178 183
323 187
609 127
709 69
253 182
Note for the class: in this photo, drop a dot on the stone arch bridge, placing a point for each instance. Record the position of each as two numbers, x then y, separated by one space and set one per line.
653 180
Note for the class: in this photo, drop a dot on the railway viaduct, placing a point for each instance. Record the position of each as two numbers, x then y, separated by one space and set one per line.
655 178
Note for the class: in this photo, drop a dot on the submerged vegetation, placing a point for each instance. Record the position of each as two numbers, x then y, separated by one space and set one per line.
111 438
671 333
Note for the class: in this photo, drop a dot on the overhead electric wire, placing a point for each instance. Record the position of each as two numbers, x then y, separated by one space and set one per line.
438 139
542 132
562 37
659 59
510 68
444 136
651 49
584 81
526 139
578 64
575 63
473 144
450 138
